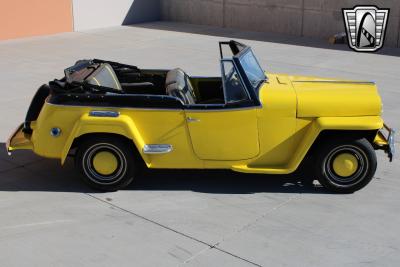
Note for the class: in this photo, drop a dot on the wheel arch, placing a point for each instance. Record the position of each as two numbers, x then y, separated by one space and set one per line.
343 135
328 128
82 138
334 134
345 165
120 127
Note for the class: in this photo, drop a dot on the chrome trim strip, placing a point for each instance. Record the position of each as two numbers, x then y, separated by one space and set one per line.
350 82
157 149
104 113
190 119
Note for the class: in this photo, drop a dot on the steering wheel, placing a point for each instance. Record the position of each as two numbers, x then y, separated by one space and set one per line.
232 79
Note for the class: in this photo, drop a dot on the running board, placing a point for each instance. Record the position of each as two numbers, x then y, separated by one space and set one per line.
261 170
157 149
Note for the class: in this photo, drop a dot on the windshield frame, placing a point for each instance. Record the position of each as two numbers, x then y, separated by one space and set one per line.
223 76
254 92
245 52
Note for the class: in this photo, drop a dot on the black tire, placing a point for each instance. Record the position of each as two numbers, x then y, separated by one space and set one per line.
121 155
361 157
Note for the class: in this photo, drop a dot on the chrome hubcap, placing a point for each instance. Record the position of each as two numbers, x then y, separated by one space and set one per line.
104 164
346 165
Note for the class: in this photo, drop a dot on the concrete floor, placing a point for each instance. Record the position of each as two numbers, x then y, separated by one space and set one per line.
193 218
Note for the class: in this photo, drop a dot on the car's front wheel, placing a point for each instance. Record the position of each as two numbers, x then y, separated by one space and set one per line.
106 163
346 166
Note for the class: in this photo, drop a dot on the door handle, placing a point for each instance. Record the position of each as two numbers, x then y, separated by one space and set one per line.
189 119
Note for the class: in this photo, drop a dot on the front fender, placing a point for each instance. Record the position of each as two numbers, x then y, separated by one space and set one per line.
364 123
121 125
306 134
350 123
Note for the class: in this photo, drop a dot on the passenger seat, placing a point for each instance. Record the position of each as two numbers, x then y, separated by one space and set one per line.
178 84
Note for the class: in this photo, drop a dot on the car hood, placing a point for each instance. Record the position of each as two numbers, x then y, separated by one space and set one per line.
324 97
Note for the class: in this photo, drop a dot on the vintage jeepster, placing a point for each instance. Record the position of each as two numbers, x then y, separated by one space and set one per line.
113 117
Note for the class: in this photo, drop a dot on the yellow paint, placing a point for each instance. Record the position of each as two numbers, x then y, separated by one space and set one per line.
336 99
224 135
105 163
345 164
273 138
142 126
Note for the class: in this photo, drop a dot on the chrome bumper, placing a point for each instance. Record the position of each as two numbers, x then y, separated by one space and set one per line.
18 140
391 150
8 143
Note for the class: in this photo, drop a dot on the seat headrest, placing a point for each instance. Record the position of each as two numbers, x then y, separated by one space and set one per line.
175 76
178 84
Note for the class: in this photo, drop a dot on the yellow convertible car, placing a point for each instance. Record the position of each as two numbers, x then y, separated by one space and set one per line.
114 117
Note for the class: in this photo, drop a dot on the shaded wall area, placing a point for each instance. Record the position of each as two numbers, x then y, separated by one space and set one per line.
92 14
311 18
22 18
143 11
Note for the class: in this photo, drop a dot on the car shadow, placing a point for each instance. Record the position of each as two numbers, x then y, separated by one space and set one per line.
24 171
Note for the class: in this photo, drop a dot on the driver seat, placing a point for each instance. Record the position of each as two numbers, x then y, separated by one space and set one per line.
178 84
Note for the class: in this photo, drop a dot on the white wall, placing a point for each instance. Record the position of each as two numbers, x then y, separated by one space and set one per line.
92 14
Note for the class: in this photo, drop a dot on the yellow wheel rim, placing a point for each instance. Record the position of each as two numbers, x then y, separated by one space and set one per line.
105 163
345 164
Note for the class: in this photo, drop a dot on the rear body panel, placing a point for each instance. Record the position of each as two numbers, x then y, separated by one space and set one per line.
142 126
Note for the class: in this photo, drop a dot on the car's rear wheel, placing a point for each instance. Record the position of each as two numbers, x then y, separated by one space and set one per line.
106 163
346 166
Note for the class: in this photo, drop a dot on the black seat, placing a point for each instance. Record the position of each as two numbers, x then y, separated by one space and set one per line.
178 84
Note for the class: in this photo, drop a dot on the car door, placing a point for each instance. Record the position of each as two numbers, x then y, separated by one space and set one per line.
228 131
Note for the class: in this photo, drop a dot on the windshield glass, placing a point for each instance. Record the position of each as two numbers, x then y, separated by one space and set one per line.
253 71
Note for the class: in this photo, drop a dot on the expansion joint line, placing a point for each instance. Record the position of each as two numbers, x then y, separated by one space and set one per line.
209 246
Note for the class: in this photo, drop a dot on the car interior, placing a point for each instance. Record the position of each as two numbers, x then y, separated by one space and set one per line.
131 80
99 82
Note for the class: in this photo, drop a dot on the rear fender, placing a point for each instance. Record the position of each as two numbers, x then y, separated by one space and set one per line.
121 125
